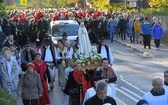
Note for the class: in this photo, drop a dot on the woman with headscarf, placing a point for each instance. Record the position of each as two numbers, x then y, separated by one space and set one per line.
29 86
41 69
77 84
84 42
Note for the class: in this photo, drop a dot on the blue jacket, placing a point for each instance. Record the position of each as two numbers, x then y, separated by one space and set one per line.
146 28
157 32
110 27
130 27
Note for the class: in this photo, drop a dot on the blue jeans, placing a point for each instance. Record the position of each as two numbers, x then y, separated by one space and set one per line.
111 36
132 37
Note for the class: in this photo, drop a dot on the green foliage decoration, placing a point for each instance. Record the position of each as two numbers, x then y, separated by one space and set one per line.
5 98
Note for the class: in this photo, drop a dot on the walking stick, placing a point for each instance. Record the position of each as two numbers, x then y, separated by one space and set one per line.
80 96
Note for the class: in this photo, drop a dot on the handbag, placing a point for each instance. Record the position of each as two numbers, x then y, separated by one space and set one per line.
73 91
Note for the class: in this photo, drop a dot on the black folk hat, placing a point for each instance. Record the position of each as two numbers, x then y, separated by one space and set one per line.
64 34
27 44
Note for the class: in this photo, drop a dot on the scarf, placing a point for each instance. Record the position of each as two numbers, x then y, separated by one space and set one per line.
40 69
80 79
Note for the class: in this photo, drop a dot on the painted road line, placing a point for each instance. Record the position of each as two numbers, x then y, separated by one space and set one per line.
131 84
129 91
121 102
126 94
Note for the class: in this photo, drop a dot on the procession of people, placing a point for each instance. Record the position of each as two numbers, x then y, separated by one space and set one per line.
24 66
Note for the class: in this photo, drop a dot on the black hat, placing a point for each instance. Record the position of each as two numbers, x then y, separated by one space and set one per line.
47 40
102 39
64 34
27 44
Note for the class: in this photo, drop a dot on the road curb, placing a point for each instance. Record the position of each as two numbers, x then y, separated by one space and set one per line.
147 54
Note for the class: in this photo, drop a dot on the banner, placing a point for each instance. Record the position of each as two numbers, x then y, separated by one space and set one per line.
23 2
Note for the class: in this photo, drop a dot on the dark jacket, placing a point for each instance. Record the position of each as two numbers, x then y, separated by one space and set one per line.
2 39
122 24
96 101
98 76
71 83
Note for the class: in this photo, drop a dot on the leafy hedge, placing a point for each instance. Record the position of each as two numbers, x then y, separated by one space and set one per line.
5 98
3 10
155 12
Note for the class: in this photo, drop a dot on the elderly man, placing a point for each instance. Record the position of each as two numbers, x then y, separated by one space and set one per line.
27 55
101 97
91 92
158 95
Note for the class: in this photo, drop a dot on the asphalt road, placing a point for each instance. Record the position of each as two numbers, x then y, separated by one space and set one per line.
135 72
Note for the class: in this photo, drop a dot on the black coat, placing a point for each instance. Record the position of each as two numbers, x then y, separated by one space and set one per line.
96 101
71 84
122 24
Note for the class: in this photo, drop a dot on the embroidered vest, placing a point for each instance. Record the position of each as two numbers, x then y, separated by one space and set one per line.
43 50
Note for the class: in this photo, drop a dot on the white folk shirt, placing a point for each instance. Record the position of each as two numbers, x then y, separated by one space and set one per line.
104 54
48 54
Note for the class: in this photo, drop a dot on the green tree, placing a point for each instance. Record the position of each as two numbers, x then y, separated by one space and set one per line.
104 5
54 3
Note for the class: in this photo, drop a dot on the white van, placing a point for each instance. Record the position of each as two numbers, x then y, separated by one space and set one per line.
58 27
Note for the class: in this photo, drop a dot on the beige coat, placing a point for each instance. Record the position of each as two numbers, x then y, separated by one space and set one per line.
12 80
29 86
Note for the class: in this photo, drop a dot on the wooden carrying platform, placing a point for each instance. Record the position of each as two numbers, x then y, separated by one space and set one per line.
92 66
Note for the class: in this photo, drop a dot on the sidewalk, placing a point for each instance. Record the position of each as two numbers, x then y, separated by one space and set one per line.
151 53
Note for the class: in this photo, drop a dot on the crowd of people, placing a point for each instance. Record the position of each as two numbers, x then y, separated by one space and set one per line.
31 73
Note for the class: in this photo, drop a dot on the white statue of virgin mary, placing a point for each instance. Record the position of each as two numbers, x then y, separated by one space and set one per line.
84 42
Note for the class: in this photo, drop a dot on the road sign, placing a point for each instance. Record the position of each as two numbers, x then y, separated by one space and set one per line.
133 4
23 2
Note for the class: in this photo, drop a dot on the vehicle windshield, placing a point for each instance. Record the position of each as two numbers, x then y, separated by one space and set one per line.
71 30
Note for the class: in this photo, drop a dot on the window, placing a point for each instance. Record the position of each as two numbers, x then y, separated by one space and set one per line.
71 30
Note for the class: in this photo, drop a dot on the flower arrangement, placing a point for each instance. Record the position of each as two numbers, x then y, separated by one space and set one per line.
93 58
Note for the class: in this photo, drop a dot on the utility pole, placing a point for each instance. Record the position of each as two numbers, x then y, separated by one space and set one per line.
139 6
125 3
